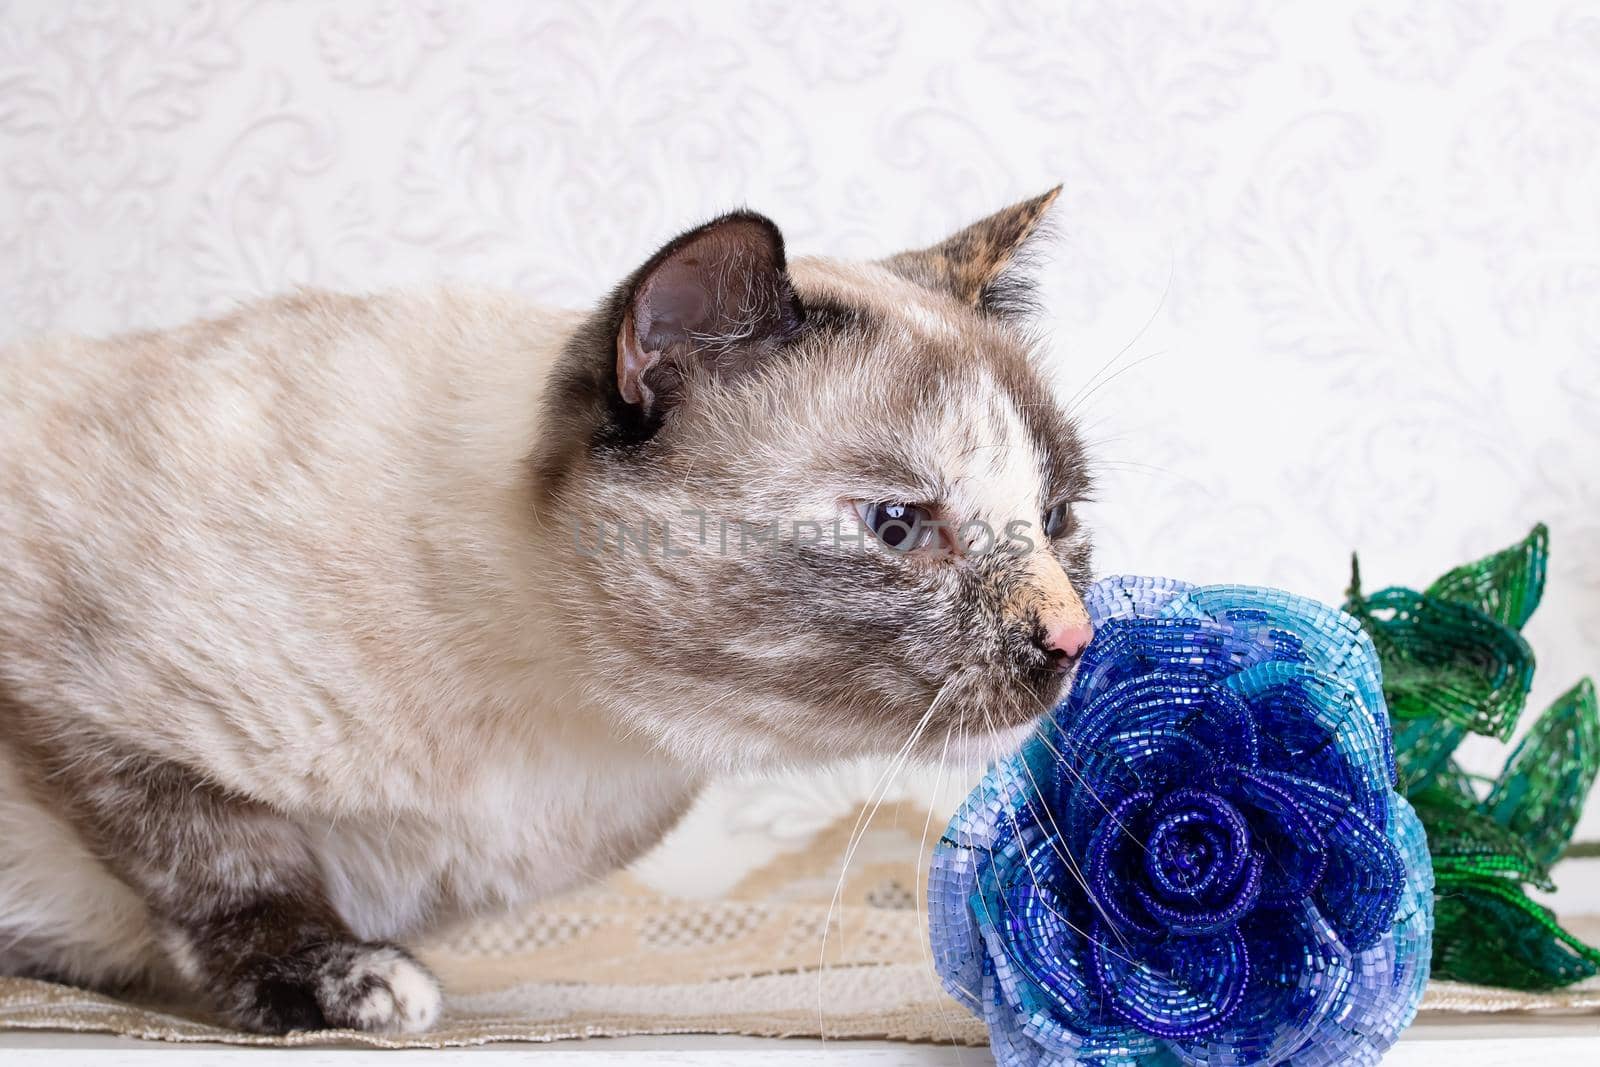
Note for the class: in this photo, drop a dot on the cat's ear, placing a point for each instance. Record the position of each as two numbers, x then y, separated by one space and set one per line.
981 265
718 295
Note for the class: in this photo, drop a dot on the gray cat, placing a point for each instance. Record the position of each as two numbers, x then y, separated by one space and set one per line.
338 618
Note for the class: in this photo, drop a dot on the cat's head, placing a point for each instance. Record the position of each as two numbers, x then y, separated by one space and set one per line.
748 460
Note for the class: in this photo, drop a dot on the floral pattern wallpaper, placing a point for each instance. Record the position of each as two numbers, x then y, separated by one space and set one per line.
1324 276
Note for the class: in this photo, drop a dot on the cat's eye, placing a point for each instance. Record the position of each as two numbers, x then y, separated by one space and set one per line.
1058 520
900 527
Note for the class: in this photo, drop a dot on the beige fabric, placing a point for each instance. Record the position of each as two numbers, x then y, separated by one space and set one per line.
621 959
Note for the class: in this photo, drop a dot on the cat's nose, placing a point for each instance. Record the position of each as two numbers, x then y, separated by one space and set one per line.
1064 642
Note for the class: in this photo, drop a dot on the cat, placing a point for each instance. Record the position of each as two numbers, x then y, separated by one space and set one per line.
340 618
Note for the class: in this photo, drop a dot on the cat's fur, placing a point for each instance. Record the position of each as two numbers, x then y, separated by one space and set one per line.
306 647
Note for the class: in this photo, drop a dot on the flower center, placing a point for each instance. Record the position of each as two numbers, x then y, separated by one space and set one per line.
1197 843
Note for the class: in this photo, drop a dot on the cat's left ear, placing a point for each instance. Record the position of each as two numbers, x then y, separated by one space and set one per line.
717 298
979 265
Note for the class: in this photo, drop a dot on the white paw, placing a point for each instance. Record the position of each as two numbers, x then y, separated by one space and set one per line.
379 989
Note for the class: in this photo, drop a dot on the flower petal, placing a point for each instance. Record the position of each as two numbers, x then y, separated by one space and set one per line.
980 836
1020 1039
1362 888
1299 628
1389 976
1186 654
1131 596
1152 707
1038 955
1182 987
1112 863
1299 974
1037 997
1315 725
1294 850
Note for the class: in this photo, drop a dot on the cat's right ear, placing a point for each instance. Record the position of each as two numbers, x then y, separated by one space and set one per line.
979 265
717 298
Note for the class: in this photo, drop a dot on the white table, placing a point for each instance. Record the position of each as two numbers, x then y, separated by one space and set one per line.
1435 1041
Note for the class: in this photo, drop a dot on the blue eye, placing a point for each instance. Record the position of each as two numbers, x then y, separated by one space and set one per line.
898 526
1058 520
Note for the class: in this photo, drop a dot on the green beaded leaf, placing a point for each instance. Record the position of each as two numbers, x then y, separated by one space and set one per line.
1444 660
1457 781
1454 661
1541 793
1463 839
1506 586
1422 751
1487 931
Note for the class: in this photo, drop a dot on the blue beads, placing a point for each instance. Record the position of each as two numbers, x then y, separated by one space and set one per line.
1200 857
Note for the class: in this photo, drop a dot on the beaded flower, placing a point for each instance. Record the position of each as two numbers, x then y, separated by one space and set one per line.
1199 857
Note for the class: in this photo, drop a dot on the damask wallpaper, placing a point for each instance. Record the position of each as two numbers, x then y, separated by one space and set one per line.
1324 275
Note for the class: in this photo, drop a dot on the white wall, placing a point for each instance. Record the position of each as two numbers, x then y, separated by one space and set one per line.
1334 267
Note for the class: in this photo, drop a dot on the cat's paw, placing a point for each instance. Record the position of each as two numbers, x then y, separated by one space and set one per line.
373 987
380 988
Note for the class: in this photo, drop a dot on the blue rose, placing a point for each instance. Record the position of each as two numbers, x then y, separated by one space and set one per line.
1199 858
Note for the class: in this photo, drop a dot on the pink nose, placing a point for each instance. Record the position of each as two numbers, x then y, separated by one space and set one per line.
1067 640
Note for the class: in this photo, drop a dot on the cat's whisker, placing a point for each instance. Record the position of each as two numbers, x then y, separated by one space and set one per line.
1150 469
1065 853
1066 858
918 894
858 833
1166 290
1058 846
1038 731
1132 464
1074 927
1136 364
1068 923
